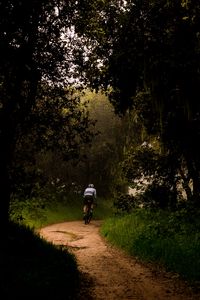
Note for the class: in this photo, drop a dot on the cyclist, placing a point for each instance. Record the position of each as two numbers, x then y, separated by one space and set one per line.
89 198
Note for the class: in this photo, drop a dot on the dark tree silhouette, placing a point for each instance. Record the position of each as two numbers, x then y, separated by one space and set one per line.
150 56
35 50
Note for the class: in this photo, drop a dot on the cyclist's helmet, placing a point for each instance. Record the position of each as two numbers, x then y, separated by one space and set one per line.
91 185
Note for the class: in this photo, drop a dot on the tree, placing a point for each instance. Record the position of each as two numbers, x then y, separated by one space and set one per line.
150 49
57 127
99 157
36 49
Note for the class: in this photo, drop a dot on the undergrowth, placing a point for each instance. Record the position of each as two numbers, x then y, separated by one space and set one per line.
169 239
37 213
32 268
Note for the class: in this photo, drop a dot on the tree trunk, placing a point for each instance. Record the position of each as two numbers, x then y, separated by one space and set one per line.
186 186
196 189
5 163
194 175
5 196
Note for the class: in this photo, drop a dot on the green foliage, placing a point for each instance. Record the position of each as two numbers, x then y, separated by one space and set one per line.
153 174
169 239
149 53
104 209
50 135
35 267
125 203
159 196
55 204
98 157
23 211
91 141
101 159
35 64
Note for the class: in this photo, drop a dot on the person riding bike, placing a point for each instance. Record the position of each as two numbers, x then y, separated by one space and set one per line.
89 198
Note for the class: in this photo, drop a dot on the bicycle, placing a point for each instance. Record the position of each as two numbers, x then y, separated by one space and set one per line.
88 213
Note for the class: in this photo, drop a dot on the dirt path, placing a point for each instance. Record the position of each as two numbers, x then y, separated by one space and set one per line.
109 274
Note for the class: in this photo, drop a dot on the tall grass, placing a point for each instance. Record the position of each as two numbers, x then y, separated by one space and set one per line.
171 240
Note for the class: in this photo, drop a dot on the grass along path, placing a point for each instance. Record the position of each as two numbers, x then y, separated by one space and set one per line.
109 273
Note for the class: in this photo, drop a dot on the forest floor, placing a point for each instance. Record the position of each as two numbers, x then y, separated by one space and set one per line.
108 273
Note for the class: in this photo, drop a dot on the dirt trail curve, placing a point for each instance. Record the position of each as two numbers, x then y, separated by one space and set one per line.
109 273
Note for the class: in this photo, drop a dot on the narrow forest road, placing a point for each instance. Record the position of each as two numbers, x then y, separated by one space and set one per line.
108 273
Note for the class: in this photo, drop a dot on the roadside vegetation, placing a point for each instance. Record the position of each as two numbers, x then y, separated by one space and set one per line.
142 124
35 267
36 213
48 190
171 240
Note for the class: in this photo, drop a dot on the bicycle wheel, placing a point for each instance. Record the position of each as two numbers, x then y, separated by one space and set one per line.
86 219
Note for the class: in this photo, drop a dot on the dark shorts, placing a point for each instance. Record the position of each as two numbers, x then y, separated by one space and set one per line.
88 200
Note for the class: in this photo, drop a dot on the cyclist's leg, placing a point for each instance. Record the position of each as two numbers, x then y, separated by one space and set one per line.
88 209
85 208
89 213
